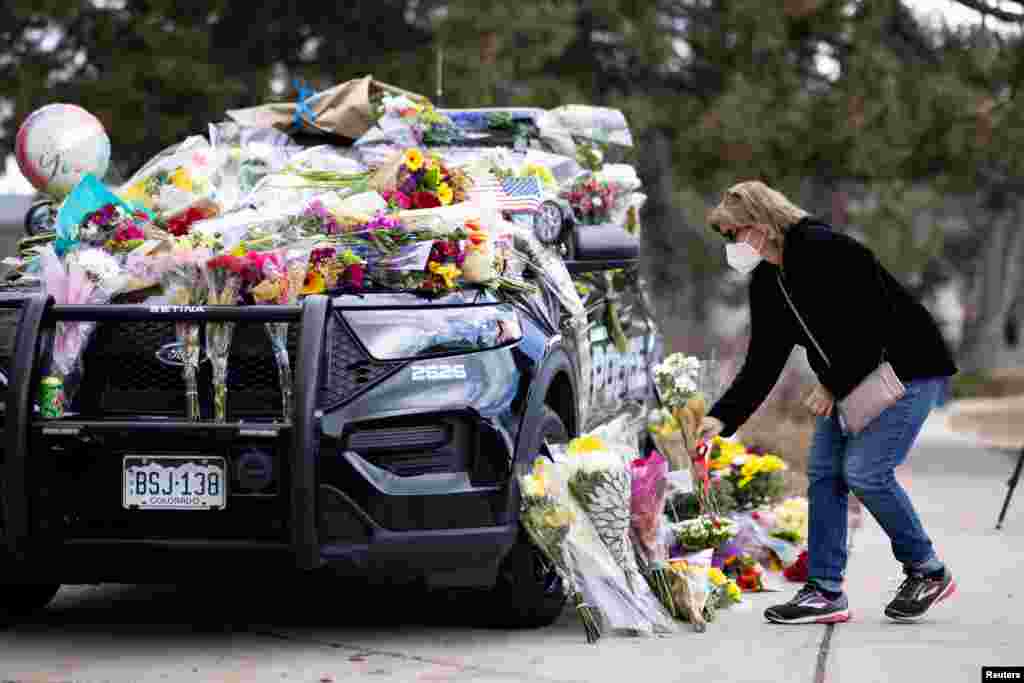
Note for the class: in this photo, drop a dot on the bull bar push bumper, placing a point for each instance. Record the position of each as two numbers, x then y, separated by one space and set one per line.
38 312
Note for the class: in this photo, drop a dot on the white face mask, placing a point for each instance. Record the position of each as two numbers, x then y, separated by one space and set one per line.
742 257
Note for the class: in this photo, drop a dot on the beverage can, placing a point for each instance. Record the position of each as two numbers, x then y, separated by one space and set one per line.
51 398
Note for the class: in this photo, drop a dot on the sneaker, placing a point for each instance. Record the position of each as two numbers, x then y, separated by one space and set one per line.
918 593
810 606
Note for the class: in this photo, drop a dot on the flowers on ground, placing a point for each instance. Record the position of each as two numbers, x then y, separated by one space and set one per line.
703 532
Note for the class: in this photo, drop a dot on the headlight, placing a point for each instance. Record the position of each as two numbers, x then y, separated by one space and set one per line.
402 333
548 222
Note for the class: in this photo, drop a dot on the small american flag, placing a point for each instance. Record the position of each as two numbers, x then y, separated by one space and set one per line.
512 195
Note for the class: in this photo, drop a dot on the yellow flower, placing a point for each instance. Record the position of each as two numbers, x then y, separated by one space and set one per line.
136 192
448 272
444 193
586 444
314 283
181 179
733 590
771 463
533 486
751 467
541 172
679 566
413 159
729 449
558 518
717 577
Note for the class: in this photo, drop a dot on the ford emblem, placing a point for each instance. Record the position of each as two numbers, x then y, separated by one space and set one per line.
173 354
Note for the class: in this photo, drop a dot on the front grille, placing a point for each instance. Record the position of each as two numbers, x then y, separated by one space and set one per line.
124 376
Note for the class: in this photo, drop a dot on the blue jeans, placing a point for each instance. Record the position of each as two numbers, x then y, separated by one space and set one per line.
865 465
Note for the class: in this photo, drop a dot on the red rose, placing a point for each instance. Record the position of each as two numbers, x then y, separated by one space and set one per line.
425 200
354 275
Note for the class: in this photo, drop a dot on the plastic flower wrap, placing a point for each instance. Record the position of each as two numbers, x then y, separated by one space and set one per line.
223 275
792 520
600 482
547 521
690 588
284 275
175 179
601 579
245 155
649 490
69 283
183 285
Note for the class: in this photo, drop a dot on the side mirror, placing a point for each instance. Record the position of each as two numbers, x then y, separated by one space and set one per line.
601 247
40 218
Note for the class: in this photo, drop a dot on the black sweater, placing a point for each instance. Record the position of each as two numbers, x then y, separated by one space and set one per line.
836 284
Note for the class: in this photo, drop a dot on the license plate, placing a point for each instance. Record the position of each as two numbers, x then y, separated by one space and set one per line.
174 483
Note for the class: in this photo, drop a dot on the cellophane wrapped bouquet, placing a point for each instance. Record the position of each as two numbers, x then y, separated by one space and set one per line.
68 281
649 492
224 276
676 379
597 471
183 285
548 518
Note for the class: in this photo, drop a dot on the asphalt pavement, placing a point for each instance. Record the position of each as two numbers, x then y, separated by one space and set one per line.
245 629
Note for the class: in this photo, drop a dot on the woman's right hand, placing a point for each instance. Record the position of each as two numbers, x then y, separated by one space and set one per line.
710 427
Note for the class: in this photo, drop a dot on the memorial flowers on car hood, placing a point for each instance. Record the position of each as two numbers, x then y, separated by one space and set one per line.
425 182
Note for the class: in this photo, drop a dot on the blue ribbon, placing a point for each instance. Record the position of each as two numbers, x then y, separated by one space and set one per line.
302 110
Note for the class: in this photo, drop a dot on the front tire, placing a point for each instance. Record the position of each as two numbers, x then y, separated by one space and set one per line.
21 599
528 592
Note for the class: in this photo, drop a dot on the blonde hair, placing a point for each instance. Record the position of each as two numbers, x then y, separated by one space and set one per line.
752 202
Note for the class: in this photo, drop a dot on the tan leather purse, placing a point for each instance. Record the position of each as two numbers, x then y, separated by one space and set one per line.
876 392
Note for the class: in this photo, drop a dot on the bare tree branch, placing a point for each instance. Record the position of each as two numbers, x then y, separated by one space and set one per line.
985 8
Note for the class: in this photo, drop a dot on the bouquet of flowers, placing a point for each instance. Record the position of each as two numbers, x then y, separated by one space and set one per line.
676 379
791 520
184 286
752 480
592 199
650 487
425 182
180 223
724 592
288 270
547 521
689 586
175 179
600 482
224 275
68 282
747 572
703 532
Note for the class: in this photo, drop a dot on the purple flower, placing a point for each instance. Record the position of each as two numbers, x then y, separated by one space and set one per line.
408 186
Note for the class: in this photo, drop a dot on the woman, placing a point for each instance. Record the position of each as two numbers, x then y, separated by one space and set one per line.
855 310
